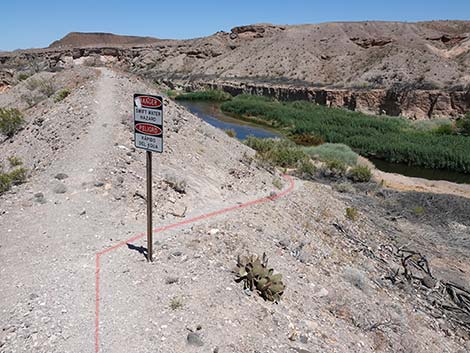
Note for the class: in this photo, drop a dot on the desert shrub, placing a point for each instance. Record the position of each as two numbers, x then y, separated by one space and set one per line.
176 183
277 183
360 174
18 175
11 121
463 124
306 139
208 95
444 129
333 152
176 303
23 76
231 132
352 213
14 161
334 169
5 182
283 153
305 168
46 87
61 95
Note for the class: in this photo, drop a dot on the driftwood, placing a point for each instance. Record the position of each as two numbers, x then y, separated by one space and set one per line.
445 299
442 299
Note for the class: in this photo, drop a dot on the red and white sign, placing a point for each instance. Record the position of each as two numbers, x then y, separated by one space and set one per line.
148 122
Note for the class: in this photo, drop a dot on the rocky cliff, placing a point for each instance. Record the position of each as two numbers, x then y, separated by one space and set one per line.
418 70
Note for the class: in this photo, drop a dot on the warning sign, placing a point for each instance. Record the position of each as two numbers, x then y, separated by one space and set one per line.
148 122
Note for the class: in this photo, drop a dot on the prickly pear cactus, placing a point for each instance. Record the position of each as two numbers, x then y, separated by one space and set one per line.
256 275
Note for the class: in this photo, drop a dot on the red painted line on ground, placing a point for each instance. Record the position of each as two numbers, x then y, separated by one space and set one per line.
162 229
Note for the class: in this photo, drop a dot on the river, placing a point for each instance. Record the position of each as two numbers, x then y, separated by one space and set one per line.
211 113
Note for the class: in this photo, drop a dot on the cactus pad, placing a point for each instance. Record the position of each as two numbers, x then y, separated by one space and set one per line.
255 275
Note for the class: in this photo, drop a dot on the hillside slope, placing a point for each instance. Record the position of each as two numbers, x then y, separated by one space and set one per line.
80 39
346 290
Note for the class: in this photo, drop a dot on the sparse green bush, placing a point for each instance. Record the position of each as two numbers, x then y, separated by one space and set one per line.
334 169
305 168
18 175
360 174
11 121
283 153
14 161
231 132
444 129
23 76
5 183
47 88
418 210
176 303
352 213
44 86
208 95
463 124
333 151
277 183
306 139
61 95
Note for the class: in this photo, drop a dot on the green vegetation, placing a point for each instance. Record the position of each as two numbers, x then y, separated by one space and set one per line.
231 132
333 151
418 210
283 153
307 139
23 76
209 95
14 161
61 95
11 121
395 140
352 213
334 168
176 303
277 183
14 176
463 124
360 174
256 276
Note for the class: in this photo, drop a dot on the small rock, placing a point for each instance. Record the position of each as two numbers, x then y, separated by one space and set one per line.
61 176
120 180
98 184
177 253
321 293
194 339
39 197
171 280
83 212
59 188
214 231
303 338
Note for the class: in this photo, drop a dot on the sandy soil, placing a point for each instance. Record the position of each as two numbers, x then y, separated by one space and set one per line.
337 297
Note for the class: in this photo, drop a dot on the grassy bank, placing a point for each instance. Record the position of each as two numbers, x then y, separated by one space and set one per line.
393 139
209 95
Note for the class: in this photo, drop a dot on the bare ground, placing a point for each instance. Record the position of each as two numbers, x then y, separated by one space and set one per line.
337 298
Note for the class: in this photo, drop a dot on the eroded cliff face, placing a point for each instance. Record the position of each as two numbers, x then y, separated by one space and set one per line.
416 105
419 71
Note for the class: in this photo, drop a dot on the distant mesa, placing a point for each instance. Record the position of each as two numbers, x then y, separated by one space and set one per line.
96 39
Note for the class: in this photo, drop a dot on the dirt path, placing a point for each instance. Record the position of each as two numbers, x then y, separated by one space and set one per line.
48 249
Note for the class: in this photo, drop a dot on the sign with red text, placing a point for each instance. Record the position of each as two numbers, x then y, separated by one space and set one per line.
148 122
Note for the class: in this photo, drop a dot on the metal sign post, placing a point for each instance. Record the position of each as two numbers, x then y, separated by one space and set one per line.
148 135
